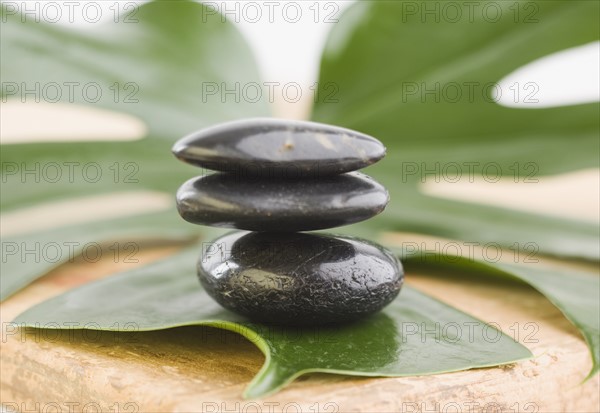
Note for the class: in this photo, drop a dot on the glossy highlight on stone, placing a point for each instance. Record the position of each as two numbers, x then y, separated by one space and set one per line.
225 200
279 177
278 148
299 279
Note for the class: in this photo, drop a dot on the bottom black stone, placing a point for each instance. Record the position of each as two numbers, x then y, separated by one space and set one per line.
299 278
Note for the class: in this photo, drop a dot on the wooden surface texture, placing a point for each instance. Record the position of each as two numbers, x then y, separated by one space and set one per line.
195 369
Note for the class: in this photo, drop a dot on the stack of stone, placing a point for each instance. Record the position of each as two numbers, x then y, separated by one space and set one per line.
276 178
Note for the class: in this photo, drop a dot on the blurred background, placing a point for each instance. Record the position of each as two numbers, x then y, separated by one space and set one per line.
288 49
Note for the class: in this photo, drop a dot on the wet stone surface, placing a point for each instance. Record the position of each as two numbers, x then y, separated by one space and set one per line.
225 200
278 178
278 148
299 279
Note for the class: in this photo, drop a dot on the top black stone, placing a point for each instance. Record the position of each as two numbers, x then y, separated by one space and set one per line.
279 148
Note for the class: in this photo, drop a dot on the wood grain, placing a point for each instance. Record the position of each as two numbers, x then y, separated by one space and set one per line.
195 369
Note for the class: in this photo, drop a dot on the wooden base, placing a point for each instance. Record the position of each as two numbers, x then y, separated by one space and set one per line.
200 369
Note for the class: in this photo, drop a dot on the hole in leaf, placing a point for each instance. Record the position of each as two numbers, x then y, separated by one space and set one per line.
569 77
77 211
574 195
28 122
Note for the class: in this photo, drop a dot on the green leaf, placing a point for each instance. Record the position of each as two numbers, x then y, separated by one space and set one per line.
172 52
27 257
169 53
380 51
175 48
575 293
167 294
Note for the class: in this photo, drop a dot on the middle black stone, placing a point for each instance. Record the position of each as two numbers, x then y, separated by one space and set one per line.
227 200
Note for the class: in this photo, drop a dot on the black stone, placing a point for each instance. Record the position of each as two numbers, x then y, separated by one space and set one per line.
226 200
297 278
277 148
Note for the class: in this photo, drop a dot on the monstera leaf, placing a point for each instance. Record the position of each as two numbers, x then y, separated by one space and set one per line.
575 293
154 64
175 49
167 56
423 81
167 294
420 82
